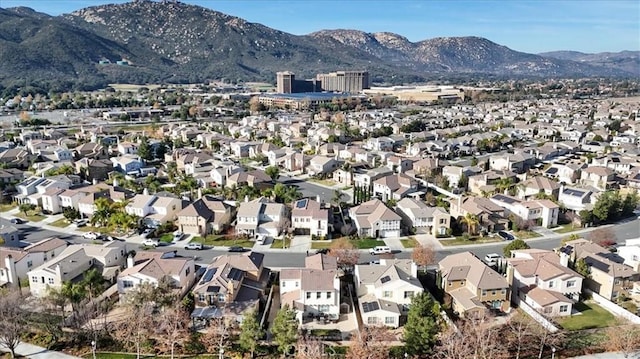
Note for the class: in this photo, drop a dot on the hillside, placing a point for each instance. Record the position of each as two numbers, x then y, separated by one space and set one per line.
174 42
628 61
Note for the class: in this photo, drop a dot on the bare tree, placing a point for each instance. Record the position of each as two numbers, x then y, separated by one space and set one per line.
475 338
344 251
423 255
12 320
217 335
370 344
520 330
604 237
309 348
173 327
624 339
135 326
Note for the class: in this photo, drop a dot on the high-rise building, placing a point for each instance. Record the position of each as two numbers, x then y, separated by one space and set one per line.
285 81
344 81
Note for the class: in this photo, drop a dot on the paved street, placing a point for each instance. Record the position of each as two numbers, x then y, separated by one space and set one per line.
311 189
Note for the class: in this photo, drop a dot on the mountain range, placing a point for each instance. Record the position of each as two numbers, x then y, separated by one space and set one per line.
172 42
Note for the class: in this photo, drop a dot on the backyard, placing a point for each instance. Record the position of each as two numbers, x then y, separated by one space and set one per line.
590 316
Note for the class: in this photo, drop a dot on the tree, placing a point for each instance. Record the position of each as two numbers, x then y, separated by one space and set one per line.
26 207
285 329
250 333
12 320
345 252
102 212
474 338
173 327
144 149
422 327
370 344
623 339
217 335
273 172
93 281
309 348
514 245
604 237
423 255
70 214
74 292
582 268
471 222
607 206
134 327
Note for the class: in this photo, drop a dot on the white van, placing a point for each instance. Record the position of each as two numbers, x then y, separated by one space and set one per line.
261 238
379 250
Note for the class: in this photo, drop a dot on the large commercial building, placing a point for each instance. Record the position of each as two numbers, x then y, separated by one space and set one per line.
298 101
285 81
344 81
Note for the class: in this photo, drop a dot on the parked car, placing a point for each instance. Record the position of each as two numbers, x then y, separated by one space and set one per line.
147 232
194 246
236 249
177 236
91 235
322 251
379 250
492 259
150 242
261 239
80 222
17 221
506 235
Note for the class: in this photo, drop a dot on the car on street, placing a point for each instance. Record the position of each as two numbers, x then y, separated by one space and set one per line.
150 242
506 235
177 236
322 251
492 259
80 222
17 221
194 246
236 249
379 250
91 235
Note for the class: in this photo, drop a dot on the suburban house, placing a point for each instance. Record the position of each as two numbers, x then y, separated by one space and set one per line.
16 262
417 214
630 253
204 216
491 217
473 286
9 236
575 199
541 211
516 162
599 177
608 277
310 217
32 189
156 267
544 281
533 187
261 216
394 186
69 265
231 285
154 210
314 290
127 164
374 219
485 182
94 169
322 165
385 291
256 178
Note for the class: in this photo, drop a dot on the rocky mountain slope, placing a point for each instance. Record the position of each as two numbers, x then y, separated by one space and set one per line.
168 41
628 61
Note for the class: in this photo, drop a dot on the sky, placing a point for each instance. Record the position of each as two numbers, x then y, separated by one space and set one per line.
532 26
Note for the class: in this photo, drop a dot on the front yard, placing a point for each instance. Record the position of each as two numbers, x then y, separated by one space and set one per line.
166 238
31 216
566 228
526 234
223 241
7 207
61 223
462 241
367 243
321 244
410 242
590 316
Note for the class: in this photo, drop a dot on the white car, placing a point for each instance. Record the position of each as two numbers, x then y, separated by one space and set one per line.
261 239
492 258
177 236
90 235
379 250
194 246
150 242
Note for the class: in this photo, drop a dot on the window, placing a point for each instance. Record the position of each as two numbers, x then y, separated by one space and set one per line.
127 284
328 295
284 284
571 283
201 297
484 292
408 294
389 320
297 284
50 280
187 271
323 308
547 310
372 320
318 295
493 292
564 308
34 279
387 294
551 284
308 295
29 264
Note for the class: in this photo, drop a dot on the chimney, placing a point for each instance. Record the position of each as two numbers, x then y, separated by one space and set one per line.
318 199
59 272
246 198
10 265
130 261
564 259
145 191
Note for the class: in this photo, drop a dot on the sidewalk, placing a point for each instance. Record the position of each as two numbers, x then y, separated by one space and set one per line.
36 352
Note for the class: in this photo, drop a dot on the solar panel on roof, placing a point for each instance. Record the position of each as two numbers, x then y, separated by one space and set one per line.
213 289
370 306
235 274
208 275
301 203
385 279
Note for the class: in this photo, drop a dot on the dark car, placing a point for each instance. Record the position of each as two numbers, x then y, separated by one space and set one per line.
16 221
506 235
322 251
236 249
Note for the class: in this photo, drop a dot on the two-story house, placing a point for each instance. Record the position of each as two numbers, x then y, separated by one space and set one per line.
154 267
310 217
630 253
535 186
542 212
374 219
261 216
16 262
473 286
599 177
204 216
544 281
128 164
394 186
153 209
415 213
385 291
314 290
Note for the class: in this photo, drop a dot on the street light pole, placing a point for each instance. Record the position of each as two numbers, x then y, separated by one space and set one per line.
221 354
93 349
553 353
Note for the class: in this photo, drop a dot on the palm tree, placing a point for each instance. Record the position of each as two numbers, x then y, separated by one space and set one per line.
503 184
102 212
93 281
337 200
74 292
471 221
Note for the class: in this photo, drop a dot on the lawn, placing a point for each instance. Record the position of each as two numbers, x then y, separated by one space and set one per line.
61 223
277 243
566 228
591 316
526 234
222 241
320 244
88 228
367 243
31 216
7 207
409 242
460 241
325 182
166 238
